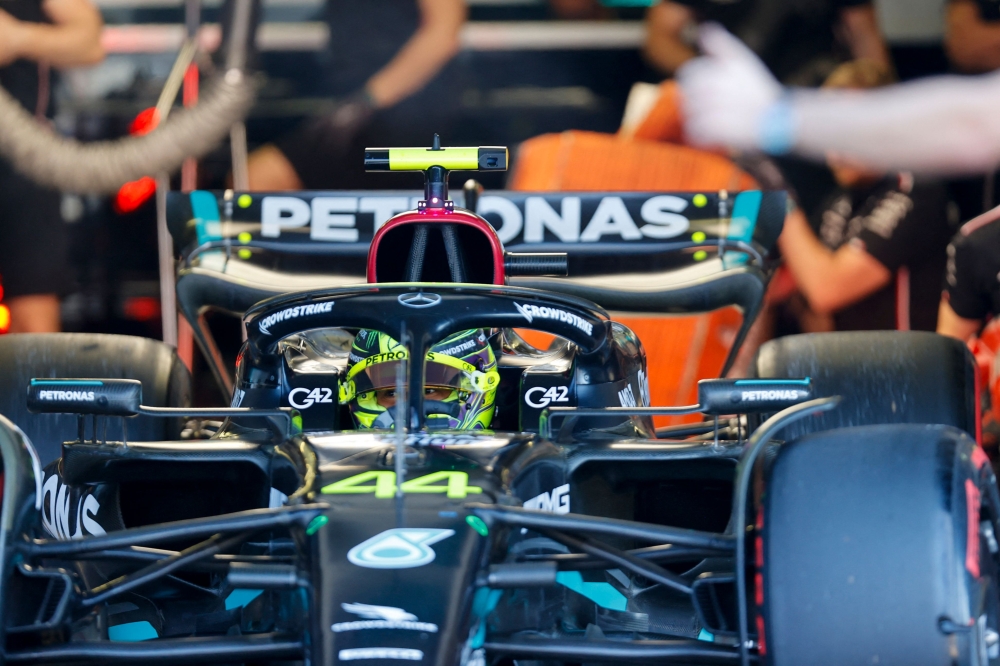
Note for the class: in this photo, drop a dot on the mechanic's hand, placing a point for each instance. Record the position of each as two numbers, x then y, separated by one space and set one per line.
10 38
333 132
727 93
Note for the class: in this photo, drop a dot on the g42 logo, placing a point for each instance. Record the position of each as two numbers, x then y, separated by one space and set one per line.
311 397
383 485
540 396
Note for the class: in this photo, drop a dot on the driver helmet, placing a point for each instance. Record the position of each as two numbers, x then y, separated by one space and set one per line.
461 381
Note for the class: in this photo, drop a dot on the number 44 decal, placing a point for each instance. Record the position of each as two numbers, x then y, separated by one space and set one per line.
383 484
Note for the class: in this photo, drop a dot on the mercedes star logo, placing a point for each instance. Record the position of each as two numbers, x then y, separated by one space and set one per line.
419 299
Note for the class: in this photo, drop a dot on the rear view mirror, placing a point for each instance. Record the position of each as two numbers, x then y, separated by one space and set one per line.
105 397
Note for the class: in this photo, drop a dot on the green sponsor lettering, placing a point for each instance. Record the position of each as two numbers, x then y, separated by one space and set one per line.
454 484
384 486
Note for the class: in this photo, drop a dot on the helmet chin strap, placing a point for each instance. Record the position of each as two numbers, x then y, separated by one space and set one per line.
385 420
432 407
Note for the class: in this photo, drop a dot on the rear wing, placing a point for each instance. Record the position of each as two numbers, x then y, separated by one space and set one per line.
602 233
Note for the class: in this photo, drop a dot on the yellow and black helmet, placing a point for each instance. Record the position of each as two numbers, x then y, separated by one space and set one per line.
460 383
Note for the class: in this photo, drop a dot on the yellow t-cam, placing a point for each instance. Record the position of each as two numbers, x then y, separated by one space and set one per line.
483 158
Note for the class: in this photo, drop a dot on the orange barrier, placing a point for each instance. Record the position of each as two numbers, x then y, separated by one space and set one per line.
591 162
680 350
664 121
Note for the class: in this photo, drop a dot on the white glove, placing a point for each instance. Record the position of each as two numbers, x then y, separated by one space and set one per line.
731 99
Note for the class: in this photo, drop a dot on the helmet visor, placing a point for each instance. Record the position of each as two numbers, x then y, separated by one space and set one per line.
441 373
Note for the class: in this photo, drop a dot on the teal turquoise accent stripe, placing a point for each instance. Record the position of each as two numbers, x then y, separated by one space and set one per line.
704 635
64 382
602 594
205 208
132 632
241 598
798 382
744 220
746 207
483 603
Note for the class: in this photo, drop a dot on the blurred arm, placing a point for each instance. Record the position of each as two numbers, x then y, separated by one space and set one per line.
72 39
973 45
665 47
434 43
829 279
944 124
950 324
864 38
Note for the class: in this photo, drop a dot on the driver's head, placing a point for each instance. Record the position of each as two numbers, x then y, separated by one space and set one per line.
461 381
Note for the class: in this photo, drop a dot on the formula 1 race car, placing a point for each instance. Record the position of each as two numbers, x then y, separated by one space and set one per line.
402 477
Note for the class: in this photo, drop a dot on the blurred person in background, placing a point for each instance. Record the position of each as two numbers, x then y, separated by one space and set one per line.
969 307
972 288
383 51
34 36
800 42
972 43
972 291
879 257
972 37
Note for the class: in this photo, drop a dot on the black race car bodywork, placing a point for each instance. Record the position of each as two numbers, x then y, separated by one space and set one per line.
595 363
572 533
349 567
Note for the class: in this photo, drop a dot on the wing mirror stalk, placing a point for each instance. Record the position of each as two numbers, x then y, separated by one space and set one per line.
123 398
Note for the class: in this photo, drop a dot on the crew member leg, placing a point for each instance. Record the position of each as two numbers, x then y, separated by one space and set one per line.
34 253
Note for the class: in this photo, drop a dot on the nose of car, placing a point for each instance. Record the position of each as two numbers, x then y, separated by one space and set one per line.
390 580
